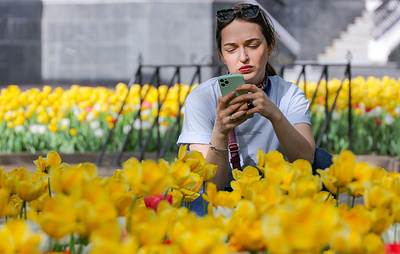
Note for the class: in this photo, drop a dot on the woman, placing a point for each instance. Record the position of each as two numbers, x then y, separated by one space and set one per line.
245 40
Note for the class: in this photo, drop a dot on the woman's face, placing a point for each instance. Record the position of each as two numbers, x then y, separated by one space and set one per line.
245 51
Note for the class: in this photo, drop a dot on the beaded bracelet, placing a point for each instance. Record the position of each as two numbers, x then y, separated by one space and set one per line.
218 150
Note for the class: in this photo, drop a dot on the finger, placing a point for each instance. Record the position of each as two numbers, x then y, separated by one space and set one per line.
248 87
234 118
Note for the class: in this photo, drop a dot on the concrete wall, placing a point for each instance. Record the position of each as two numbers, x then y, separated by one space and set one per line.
101 42
20 42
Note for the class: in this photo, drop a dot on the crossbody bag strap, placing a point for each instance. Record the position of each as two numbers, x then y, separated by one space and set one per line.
234 150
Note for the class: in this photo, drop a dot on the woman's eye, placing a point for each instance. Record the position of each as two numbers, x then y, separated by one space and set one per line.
230 50
254 45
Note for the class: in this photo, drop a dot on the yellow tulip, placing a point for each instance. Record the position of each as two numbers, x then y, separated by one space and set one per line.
305 186
27 188
372 243
148 227
220 198
14 206
382 219
18 238
52 161
343 168
37 204
73 131
395 206
199 236
376 196
4 196
146 178
106 245
58 217
299 227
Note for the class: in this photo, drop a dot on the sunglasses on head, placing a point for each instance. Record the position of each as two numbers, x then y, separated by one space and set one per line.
247 11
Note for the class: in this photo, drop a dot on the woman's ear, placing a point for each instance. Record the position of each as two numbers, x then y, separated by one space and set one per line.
220 55
271 48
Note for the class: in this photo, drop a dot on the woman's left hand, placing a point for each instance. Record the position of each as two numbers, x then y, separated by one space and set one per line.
259 99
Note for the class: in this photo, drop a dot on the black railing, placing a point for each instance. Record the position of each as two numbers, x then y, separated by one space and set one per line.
328 109
196 78
155 80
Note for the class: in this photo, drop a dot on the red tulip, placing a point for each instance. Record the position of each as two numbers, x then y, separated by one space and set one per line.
152 201
392 248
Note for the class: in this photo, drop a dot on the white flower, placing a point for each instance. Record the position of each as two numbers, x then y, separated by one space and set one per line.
163 128
94 125
42 129
89 117
65 122
76 110
97 107
37 128
126 128
136 124
33 128
19 128
222 211
389 119
99 133
336 115
375 112
397 110
145 125
9 113
145 112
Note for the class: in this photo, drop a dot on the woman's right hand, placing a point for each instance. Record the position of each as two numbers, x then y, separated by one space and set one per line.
227 117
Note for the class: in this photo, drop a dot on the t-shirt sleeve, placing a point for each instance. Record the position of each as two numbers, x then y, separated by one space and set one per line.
299 108
197 125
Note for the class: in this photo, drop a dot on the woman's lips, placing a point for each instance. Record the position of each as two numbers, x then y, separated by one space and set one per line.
246 69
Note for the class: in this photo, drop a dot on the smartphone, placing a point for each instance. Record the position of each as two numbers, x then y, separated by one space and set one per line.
229 83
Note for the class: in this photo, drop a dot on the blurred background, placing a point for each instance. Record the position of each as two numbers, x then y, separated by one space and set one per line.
102 42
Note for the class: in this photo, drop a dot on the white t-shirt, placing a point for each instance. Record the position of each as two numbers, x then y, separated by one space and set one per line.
255 133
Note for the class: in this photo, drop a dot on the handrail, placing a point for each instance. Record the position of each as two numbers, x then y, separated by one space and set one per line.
385 16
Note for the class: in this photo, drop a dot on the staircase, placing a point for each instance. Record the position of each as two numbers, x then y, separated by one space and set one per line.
369 40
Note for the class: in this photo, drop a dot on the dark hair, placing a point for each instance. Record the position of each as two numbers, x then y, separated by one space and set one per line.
261 19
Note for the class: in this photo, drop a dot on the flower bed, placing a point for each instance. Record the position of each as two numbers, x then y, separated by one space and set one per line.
79 119
277 207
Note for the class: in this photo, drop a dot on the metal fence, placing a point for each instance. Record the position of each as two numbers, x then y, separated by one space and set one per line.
155 80
195 72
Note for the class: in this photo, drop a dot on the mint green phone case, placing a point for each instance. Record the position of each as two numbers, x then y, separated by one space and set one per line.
228 83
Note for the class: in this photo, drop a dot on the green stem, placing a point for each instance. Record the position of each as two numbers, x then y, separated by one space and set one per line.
348 200
50 243
72 244
48 185
352 203
22 211
337 197
24 205
329 195
204 202
165 195
129 220
188 205
183 198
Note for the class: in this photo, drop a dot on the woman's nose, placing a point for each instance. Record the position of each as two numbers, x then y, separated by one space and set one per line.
243 57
